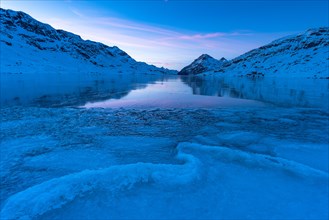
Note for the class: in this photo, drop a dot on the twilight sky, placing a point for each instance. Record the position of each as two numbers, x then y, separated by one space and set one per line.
172 33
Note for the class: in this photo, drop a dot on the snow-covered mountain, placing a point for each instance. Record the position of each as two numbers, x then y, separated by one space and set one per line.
203 64
301 55
28 45
305 55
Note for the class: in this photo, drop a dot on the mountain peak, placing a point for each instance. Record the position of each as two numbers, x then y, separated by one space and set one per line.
203 63
223 59
205 56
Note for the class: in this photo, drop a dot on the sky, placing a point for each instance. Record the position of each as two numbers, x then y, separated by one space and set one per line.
172 33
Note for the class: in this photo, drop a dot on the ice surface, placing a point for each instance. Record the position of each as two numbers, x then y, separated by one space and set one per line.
80 169
55 193
248 162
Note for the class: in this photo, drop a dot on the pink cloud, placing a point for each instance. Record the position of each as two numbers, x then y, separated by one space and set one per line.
211 35
200 36
129 25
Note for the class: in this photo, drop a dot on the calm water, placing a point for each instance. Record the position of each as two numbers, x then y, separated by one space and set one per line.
171 94
152 91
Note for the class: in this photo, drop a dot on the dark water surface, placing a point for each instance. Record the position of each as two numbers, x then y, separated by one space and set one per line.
152 91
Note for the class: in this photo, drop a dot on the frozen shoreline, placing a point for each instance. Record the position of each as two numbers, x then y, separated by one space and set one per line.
275 160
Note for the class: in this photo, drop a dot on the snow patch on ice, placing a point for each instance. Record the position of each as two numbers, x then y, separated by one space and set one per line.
255 159
53 194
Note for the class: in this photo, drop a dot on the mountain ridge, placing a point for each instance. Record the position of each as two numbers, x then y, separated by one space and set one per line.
24 38
301 55
32 46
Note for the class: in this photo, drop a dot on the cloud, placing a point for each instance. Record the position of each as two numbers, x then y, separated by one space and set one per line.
78 13
200 36
134 26
158 45
212 35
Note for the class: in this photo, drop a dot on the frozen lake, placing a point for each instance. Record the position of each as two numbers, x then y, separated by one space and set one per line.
160 147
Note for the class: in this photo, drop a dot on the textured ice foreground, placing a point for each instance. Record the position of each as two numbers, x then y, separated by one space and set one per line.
256 163
157 148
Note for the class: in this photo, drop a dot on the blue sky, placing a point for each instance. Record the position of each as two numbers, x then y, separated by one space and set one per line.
172 33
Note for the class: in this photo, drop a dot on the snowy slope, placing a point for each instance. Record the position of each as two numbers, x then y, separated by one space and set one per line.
202 64
301 55
28 45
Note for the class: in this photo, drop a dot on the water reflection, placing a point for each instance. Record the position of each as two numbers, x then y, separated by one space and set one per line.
55 90
171 94
142 90
279 91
